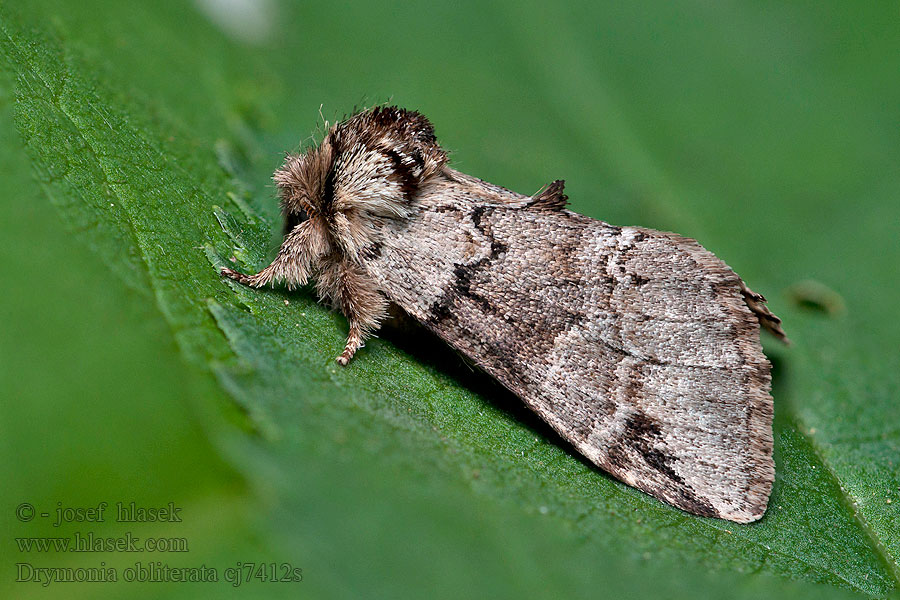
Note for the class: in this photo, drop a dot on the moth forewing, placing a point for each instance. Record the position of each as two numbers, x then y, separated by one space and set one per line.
639 347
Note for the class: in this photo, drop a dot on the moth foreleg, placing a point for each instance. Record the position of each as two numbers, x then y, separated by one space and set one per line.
292 264
256 280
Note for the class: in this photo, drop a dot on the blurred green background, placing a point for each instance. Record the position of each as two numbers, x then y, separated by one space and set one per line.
136 146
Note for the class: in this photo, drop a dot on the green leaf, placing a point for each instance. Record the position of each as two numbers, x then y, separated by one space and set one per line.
762 134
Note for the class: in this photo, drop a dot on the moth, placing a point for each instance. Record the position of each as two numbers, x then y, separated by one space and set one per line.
639 347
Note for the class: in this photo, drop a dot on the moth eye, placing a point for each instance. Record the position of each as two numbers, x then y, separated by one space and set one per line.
294 218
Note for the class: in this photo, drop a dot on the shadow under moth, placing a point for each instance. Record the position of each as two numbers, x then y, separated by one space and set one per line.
639 347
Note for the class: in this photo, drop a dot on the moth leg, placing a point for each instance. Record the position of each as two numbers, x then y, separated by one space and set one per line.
358 297
291 265
257 280
354 343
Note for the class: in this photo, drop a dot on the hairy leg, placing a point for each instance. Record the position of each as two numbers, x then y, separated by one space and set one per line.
355 341
357 297
293 263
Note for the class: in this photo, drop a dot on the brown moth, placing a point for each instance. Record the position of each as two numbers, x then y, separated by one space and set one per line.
639 347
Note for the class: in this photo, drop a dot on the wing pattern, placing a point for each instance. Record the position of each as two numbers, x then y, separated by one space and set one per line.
639 347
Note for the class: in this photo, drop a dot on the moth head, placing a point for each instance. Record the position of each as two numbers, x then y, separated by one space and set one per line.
368 168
